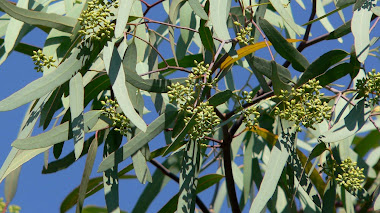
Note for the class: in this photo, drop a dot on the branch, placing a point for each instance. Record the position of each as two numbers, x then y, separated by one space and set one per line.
230 182
172 176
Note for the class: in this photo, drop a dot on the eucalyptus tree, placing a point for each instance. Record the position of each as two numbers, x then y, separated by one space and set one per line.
285 137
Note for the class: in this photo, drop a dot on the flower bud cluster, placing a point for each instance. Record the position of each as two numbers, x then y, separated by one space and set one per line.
303 105
41 61
369 87
11 208
351 176
205 121
119 120
95 20
183 95
251 116
244 35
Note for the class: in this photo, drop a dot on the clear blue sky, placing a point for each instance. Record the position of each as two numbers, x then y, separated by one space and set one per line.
44 193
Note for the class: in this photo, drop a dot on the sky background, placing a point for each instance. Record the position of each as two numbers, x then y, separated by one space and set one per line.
44 193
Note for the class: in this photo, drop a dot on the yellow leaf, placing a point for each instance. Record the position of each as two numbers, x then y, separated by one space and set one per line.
248 50
268 136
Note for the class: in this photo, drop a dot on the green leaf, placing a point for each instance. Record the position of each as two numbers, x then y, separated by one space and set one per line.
110 176
265 67
116 74
204 183
277 160
371 140
376 205
56 134
98 84
335 73
141 168
321 64
187 20
278 85
79 58
86 174
198 9
24 48
220 98
341 31
219 11
179 140
96 209
10 186
122 16
284 48
285 15
53 104
206 37
248 170
188 178
51 20
349 125
187 61
142 138
320 12
360 25
151 191
76 109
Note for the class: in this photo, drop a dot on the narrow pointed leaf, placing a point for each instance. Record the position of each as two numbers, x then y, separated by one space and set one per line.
267 135
76 109
285 15
335 73
141 168
51 20
265 67
188 179
10 186
110 176
122 16
219 11
321 64
277 160
284 48
278 85
360 25
220 98
142 138
116 74
86 174
198 9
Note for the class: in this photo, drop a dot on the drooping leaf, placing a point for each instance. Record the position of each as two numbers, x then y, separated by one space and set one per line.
110 176
267 135
360 25
62 23
278 85
198 9
341 31
142 138
186 19
246 50
56 134
96 209
368 142
10 186
218 16
86 174
24 48
285 15
76 109
284 48
206 37
116 74
321 64
141 167
188 179
122 16
277 160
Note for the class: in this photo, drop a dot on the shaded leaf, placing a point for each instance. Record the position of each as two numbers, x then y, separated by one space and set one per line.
10 186
86 174
142 138
141 168
285 15
122 16
278 85
116 74
76 110
335 73
56 134
198 9
267 135
218 16
96 209
360 25
188 178
284 48
265 67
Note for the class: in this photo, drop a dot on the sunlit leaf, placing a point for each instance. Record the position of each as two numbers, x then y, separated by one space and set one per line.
218 16
76 109
122 16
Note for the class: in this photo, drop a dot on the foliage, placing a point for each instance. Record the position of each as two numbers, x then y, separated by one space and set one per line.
286 138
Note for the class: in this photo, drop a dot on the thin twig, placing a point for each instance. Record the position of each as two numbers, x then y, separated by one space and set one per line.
264 37
151 45
150 6
374 24
166 68
374 123
174 177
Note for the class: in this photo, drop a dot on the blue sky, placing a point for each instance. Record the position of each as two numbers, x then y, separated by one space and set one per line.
44 193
